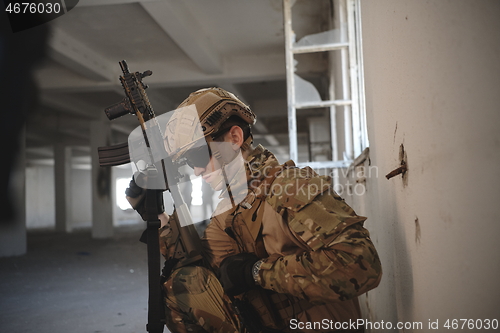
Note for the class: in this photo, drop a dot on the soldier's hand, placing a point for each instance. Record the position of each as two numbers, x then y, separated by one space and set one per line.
136 196
235 273
164 219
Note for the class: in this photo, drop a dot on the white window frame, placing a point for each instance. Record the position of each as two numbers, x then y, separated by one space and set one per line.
352 102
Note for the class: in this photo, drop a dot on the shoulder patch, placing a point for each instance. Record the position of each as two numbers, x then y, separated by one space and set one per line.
322 221
316 214
294 188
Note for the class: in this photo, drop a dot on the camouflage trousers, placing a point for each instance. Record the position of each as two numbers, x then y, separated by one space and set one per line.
195 302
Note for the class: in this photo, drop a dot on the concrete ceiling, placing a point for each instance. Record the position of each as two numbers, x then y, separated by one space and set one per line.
234 44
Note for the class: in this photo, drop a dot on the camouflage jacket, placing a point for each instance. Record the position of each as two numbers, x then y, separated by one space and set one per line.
317 255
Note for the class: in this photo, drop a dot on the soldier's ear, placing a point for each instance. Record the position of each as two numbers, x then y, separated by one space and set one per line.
236 137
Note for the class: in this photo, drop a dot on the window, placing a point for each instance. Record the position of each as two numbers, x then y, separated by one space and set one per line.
332 98
121 186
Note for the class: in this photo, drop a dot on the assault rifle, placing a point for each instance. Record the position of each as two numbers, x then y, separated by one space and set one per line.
187 241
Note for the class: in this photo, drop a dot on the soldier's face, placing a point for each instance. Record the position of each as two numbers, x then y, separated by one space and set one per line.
228 150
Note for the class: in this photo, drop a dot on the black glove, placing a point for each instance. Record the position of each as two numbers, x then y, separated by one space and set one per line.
136 196
235 273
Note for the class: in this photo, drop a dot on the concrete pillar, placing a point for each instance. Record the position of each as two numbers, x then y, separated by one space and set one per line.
13 232
62 179
102 204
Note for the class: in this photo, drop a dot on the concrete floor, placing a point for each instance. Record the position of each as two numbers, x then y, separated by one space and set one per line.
73 283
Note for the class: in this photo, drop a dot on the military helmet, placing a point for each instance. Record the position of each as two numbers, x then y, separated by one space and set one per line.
213 106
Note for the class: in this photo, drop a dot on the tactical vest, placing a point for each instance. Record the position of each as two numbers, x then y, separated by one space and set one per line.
244 225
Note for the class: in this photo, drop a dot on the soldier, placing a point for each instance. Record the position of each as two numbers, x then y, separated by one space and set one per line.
290 255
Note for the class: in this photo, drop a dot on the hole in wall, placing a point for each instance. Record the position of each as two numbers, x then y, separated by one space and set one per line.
403 158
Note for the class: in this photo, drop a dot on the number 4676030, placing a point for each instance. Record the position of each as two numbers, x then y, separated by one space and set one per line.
33 8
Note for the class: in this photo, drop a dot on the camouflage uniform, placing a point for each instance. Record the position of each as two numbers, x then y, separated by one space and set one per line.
317 256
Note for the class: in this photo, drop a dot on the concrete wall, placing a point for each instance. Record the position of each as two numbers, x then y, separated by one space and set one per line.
81 205
13 240
432 76
40 197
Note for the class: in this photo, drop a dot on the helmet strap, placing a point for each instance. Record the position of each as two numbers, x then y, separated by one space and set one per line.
247 144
